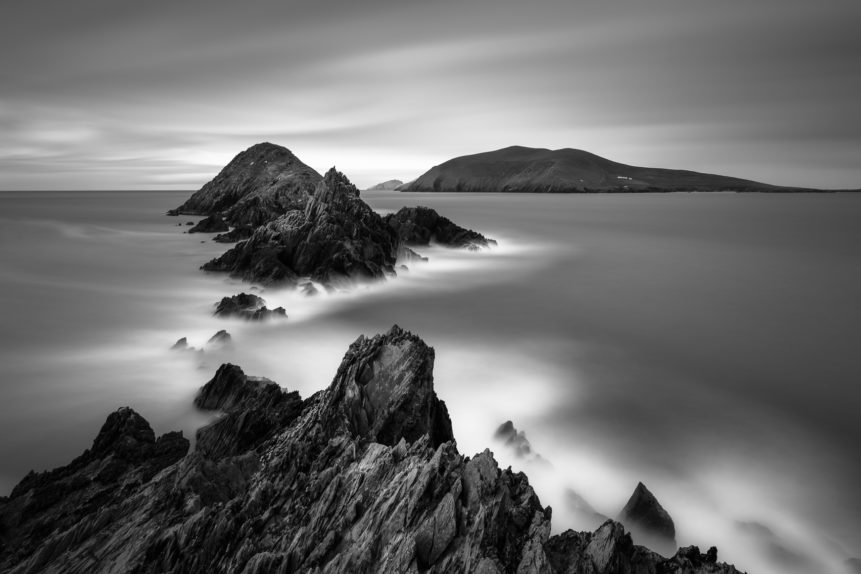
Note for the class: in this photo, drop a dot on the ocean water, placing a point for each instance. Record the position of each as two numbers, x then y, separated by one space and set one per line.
705 344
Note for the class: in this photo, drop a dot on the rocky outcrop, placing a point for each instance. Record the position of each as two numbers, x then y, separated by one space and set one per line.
422 225
211 224
249 307
258 185
363 476
221 339
648 520
389 185
236 234
336 240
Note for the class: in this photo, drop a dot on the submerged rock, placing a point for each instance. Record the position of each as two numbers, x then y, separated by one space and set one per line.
421 225
247 306
646 518
258 185
363 476
337 239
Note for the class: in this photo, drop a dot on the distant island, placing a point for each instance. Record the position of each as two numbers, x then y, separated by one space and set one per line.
389 185
520 169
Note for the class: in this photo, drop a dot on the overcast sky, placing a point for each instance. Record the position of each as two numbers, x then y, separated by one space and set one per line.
111 94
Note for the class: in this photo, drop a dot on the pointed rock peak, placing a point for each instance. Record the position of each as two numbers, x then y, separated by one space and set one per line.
643 513
383 390
231 389
335 184
124 432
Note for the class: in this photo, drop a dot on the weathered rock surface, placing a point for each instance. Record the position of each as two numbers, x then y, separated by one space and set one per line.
235 235
337 239
247 306
258 185
210 224
361 477
221 339
648 520
421 225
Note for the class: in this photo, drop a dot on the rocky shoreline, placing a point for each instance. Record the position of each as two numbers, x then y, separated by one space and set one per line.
364 476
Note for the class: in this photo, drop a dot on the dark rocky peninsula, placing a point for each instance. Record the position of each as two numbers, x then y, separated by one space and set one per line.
364 476
530 170
258 185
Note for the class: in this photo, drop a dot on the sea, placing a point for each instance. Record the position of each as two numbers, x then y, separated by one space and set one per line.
705 344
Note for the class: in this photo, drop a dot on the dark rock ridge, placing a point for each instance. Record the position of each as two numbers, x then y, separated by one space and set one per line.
234 235
361 477
523 169
389 185
337 239
247 306
421 225
210 224
220 339
648 520
258 185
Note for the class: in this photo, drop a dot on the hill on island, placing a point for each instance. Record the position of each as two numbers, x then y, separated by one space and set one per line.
531 170
389 185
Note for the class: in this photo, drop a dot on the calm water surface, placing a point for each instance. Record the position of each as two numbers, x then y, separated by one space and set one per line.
704 344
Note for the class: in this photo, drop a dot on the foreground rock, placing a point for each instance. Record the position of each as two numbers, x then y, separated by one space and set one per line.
421 225
247 306
336 240
258 185
648 520
361 477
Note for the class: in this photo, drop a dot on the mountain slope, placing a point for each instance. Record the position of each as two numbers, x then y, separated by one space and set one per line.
523 169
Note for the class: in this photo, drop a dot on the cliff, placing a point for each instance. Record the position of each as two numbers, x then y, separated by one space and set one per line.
363 476
523 169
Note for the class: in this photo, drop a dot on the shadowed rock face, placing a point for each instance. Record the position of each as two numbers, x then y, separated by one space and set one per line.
336 239
421 225
363 476
258 185
247 306
645 516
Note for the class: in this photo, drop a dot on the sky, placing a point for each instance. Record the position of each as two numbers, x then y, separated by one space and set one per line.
109 94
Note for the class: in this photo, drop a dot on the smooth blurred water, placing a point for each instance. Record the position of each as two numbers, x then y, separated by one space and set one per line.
706 344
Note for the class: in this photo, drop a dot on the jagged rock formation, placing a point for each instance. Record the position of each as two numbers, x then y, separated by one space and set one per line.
247 306
523 169
648 520
181 345
210 224
221 339
421 225
337 239
361 477
389 185
258 185
234 235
